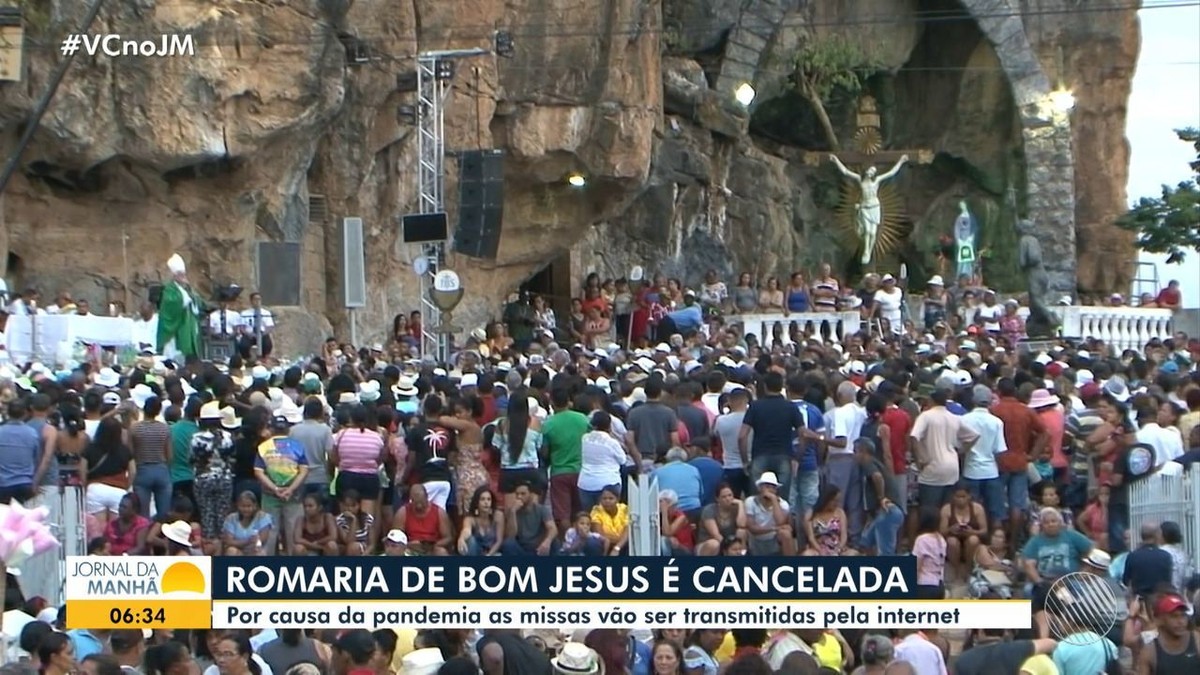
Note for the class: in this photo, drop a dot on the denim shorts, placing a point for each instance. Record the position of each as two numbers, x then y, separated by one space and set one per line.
1016 488
990 493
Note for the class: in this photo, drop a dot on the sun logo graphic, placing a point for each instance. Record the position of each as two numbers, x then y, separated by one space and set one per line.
141 577
183 577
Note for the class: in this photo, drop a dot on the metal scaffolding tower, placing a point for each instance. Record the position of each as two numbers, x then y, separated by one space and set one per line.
435 71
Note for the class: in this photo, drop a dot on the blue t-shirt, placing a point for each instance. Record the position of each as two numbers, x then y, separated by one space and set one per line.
956 408
816 423
84 643
639 657
774 420
1084 653
1057 555
711 475
685 480
688 318
281 459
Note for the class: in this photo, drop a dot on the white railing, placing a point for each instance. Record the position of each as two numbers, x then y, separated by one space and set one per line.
1158 498
1120 328
839 325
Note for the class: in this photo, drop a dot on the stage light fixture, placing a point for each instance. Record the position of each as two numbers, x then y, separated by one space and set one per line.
504 44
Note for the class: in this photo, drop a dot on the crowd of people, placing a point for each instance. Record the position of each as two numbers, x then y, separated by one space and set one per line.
999 468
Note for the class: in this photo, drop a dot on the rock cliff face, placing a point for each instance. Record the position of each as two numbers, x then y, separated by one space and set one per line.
286 120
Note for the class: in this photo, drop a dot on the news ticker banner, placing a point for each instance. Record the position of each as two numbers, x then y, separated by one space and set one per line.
533 592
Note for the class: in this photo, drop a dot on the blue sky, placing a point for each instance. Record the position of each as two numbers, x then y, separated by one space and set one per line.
1166 96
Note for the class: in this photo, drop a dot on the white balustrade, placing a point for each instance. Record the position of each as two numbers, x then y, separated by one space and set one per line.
1120 328
839 325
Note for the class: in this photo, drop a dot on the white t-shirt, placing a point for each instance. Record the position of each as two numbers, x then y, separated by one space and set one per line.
991 317
847 422
889 306
762 517
603 458
727 427
1166 441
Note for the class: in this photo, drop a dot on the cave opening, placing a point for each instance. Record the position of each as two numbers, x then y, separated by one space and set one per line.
211 168
14 274
554 283
62 179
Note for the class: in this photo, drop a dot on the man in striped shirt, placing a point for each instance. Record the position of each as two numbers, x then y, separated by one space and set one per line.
1079 425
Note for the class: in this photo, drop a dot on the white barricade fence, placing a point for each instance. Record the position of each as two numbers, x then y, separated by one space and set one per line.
837 325
1158 498
645 530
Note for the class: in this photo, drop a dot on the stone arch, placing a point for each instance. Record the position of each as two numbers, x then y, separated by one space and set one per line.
1049 165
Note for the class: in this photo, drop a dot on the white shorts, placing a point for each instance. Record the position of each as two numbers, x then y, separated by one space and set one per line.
101 498
438 491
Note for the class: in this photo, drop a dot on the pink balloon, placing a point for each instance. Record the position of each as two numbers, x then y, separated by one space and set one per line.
40 514
44 541
10 519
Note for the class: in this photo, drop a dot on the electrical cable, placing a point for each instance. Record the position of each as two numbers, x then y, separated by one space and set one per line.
466 33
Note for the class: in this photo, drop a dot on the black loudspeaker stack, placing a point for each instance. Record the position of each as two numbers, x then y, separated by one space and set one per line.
480 204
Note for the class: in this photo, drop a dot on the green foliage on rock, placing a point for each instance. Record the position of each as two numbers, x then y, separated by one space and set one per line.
35 14
1170 223
829 65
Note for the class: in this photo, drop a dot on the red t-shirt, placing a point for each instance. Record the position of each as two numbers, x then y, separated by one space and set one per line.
686 535
1169 296
1022 426
899 425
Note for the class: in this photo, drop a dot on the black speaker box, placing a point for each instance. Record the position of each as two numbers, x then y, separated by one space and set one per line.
480 204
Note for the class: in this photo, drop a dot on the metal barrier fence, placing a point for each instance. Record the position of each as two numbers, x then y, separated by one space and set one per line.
1159 498
645 530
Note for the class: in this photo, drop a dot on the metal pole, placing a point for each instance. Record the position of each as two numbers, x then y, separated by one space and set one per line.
354 327
40 110
432 94
125 263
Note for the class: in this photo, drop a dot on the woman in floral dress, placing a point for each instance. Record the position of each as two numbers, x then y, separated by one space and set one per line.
212 450
469 471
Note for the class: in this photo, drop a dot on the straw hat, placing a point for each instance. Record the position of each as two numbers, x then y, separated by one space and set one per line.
576 658
179 532
422 662
230 419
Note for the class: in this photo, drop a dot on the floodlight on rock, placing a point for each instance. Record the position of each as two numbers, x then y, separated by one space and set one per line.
1062 100
744 94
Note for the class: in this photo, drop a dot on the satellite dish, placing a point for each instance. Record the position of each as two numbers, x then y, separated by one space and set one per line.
421 266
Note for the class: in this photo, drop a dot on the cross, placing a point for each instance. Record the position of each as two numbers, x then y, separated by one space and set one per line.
868 141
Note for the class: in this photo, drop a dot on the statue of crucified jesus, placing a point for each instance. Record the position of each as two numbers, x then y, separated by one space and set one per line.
869 213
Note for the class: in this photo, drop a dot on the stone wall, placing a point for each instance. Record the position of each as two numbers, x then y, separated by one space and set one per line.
207 156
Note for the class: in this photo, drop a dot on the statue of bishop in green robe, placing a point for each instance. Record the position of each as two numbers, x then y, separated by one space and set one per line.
178 314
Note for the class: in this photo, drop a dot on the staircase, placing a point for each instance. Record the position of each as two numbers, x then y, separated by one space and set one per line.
748 40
